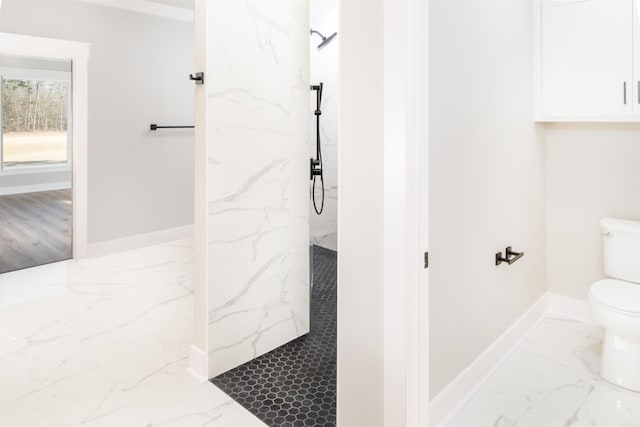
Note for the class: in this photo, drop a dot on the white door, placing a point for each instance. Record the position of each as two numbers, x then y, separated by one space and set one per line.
587 57
252 176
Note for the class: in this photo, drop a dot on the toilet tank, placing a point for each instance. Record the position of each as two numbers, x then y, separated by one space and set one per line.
621 248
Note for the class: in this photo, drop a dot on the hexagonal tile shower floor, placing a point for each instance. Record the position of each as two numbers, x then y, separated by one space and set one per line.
295 385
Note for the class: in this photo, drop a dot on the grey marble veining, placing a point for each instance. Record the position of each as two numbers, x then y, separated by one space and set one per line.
552 380
258 135
104 342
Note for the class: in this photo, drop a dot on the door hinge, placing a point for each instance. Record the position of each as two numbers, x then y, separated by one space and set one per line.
426 260
199 78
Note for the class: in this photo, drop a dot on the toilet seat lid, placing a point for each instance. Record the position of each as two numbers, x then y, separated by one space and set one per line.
618 294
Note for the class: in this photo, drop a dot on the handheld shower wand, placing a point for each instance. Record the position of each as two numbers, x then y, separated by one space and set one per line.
316 164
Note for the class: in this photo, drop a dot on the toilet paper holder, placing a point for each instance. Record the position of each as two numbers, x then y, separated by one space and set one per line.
509 256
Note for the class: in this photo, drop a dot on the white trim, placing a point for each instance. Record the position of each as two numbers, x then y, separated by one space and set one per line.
200 207
41 47
570 307
148 8
49 186
417 157
197 364
587 119
78 53
35 169
455 395
33 74
406 216
79 162
139 241
537 60
398 197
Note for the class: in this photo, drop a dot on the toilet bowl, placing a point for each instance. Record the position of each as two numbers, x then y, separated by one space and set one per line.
615 303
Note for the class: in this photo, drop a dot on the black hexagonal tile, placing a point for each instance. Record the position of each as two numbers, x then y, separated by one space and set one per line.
295 385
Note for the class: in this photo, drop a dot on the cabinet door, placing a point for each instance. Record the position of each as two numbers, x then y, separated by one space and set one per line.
636 59
587 65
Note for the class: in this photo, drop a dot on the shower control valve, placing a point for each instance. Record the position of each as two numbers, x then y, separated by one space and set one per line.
316 169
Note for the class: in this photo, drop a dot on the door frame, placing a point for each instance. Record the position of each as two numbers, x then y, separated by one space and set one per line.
417 36
383 294
78 54
406 206
383 341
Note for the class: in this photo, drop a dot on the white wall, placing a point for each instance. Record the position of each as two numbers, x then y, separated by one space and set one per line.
487 182
324 17
361 227
139 182
593 172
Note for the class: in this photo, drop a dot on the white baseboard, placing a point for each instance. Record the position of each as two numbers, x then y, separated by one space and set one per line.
197 363
49 186
139 241
570 307
455 395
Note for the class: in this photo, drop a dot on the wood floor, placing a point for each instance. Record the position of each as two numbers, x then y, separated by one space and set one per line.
35 229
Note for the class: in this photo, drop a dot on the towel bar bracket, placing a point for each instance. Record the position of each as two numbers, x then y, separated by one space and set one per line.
509 256
154 126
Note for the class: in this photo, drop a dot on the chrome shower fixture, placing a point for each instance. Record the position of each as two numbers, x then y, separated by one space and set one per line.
325 40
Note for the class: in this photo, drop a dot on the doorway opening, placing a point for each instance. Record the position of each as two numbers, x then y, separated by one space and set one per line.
296 383
35 162
43 150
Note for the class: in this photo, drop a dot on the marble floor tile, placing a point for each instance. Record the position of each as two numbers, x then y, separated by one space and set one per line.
552 380
104 342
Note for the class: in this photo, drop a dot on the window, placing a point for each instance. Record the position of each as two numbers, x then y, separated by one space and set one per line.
35 116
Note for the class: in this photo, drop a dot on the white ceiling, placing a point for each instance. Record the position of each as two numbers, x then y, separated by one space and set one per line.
184 4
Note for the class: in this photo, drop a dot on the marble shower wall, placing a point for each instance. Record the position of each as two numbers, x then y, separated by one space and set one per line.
257 83
324 17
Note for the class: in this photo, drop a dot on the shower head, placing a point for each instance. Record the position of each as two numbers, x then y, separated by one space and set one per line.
325 40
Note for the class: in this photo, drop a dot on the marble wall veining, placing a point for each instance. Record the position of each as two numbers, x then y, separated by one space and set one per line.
257 85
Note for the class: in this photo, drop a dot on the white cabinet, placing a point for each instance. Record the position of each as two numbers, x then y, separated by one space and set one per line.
588 61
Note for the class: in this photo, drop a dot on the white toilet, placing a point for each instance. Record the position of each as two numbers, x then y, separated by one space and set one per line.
615 302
